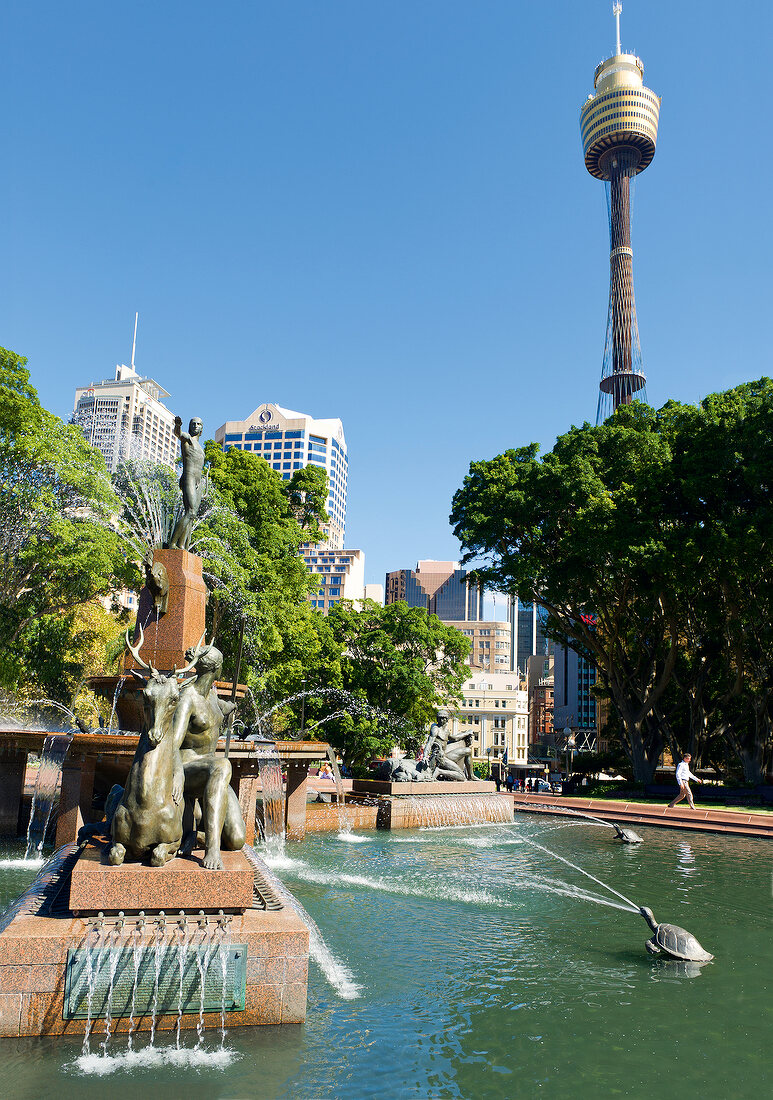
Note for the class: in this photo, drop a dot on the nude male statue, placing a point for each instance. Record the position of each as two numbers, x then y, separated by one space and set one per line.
209 798
452 752
190 481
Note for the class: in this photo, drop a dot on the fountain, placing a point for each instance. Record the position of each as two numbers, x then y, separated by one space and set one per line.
111 944
55 748
438 788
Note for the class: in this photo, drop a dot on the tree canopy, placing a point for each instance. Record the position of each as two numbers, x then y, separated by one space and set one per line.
57 548
397 664
647 541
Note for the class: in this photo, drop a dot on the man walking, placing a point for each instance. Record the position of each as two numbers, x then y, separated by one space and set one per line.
683 777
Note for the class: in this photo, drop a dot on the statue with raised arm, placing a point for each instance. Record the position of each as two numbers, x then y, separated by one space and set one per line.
450 752
211 803
191 481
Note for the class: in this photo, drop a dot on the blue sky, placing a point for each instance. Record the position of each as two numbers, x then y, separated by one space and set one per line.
379 212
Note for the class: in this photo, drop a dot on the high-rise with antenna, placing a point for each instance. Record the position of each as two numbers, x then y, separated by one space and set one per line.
619 127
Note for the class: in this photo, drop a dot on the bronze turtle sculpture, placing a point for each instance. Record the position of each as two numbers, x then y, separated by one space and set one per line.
673 940
628 836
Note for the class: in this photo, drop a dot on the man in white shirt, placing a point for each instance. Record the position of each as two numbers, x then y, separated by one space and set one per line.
683 777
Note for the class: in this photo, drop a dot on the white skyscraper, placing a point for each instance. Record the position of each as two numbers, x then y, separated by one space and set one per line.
124 417
288 441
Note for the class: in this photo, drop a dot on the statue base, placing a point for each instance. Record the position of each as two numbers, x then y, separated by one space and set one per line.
96 886
61 974
451 788
167 635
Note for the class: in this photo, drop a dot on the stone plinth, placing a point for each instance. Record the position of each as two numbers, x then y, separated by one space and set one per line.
180 884
386 786
295 800
167 636
39 956
33 960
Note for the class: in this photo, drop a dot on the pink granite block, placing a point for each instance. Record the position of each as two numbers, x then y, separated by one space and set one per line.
10 1013
180 884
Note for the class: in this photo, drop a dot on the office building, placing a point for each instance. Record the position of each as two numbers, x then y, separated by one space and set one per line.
440 587
288 441
527 628
574 705
124 417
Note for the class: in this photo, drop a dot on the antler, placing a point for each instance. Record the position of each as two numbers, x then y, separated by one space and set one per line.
198 650
135 649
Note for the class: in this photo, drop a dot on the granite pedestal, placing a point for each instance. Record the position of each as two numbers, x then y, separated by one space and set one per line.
95 885
44 946
167 636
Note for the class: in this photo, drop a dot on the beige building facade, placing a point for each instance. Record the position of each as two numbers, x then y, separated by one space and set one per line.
124 417
491 644
495 710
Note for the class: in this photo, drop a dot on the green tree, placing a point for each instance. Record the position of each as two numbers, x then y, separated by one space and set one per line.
253 565
57 548
581 532
647 540
400 664
722 470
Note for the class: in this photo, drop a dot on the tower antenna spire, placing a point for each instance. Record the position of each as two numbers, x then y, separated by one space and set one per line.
134 341
617 8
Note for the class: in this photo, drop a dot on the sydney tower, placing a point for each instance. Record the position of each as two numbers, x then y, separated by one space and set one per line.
619 125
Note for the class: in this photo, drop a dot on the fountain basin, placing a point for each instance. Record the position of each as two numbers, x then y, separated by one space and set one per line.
126 692
403 790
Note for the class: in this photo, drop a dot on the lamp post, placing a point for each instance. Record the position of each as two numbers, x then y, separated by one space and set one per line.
489 751
570 746
303 708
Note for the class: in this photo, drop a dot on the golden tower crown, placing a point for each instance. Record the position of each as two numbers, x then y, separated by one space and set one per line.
620 114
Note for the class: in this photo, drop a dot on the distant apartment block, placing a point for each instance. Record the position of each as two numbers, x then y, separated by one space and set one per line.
288 441
124 417
540 684
341 575
495 710
490 644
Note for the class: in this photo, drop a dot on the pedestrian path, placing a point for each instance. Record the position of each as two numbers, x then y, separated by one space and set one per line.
701 819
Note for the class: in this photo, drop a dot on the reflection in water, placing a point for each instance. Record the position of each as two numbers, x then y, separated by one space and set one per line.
674 969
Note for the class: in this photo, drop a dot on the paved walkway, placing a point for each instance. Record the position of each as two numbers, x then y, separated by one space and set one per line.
701 819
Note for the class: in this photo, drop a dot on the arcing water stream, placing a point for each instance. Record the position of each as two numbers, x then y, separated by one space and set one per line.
55 749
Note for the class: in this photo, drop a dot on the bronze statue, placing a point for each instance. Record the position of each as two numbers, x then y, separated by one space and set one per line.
190 481
149 815
209 798
451 753
157 584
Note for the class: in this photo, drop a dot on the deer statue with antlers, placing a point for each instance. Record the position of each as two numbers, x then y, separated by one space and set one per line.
148 818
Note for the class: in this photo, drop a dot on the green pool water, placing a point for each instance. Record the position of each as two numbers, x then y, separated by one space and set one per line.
485 970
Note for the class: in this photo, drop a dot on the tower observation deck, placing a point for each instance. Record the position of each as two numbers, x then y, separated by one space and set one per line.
619 128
